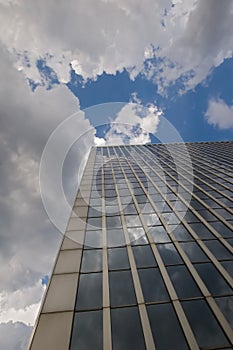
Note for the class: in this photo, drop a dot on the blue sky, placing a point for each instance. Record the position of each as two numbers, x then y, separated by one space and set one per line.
185 111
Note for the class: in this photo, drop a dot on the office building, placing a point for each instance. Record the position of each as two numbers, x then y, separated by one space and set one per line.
146 260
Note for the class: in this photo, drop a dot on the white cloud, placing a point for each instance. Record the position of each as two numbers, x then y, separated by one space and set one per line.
133 124
219 114
22 304
99 141
11 331
28 240
187 40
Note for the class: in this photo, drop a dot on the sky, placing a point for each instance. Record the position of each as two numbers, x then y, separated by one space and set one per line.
89 72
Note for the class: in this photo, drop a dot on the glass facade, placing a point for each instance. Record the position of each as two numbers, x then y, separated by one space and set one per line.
148 251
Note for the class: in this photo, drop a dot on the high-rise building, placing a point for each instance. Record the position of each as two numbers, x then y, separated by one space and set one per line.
146 260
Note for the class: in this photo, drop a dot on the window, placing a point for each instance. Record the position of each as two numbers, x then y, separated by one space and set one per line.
89 291
206 329
118 258
165 327
121 288
152 285
87 331
126 329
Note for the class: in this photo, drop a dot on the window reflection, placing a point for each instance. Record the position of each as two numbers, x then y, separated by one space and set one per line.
89 291
118 258
121 288
132 220
152 285
143 256
91 261
126 329
213 279
228 266
226 306
87 331
159 234
115 237
201 230
181 233
93 239
169 254
218 249
194 252
183 282
205 327
165 327
137 236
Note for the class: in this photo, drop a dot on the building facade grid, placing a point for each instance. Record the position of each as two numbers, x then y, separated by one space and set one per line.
146 260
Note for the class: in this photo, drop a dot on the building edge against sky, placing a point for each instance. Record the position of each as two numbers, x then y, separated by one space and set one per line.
146 259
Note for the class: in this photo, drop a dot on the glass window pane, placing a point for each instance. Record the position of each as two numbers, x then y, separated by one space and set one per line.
151 219
137 236
169 254
218 249
126 329
226 306
201 230
228 266
165 327
132 220
91 261
115 238
113 221
118 258
143 256
130 209
89 291
94 223
194 252
93 239
181 233
159 234
87 331
206 329
213 279
183 282
152 285
121 288
222 229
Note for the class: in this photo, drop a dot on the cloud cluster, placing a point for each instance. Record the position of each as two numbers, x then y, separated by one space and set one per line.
11 331
166 41
133 125
219 114
28 240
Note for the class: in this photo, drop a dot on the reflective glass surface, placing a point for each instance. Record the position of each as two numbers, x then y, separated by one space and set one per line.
121 288
183 282
89 291
194 252
206 329
87 331
118 258
152 285
126 329
93 239
137 236
115 237
165 327
226 306
143 256
159 234
169 254
91 261
213 279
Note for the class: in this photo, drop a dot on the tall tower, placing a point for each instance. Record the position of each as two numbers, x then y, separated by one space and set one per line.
146 260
